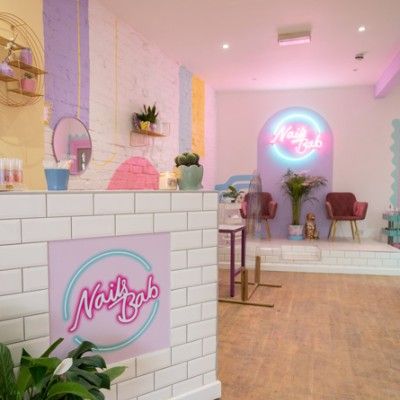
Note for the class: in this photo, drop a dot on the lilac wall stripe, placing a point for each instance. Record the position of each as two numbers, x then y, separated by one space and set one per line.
61 58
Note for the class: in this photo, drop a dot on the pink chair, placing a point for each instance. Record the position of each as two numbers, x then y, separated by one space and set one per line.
261 205
343 206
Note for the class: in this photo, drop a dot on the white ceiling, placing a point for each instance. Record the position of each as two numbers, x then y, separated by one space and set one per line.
192 32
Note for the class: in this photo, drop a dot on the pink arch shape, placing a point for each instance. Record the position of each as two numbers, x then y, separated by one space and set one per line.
134 174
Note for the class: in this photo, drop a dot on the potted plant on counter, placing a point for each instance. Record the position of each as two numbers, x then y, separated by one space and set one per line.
298 187
148 118
188 171
76 377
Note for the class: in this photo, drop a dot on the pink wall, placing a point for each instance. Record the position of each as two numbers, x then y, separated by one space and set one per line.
361 127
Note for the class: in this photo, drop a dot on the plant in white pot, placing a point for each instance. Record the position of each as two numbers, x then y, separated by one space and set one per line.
188 171
298 187
148 118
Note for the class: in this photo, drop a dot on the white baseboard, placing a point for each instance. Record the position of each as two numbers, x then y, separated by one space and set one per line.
323 269
211 391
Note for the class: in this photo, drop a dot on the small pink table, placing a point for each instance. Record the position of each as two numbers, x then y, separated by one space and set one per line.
232 230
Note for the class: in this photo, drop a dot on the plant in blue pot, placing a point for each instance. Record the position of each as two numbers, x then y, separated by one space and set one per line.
188 171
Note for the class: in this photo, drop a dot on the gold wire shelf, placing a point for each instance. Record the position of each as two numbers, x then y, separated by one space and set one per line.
25 92
7 78
27 67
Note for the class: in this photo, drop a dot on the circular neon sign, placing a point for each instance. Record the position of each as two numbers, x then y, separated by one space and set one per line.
296 134
116 298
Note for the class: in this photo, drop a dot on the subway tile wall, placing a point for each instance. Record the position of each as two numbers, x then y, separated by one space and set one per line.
29 220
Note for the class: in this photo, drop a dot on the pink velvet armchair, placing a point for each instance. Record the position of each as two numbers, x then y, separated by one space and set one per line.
343 206
262 204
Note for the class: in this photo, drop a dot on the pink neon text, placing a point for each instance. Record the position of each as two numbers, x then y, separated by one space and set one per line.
298 138
118 294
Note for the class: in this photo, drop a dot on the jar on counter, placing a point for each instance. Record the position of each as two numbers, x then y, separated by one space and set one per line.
167 181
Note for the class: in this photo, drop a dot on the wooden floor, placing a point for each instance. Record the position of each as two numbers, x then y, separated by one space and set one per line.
329 337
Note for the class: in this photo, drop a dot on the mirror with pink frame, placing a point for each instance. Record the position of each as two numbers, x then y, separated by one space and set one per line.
71 140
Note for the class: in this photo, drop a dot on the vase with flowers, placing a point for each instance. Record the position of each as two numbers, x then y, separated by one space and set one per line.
299 188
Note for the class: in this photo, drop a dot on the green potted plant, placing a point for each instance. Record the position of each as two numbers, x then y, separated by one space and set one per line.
188 171
298 187
232 194
76 377
28 82
148 117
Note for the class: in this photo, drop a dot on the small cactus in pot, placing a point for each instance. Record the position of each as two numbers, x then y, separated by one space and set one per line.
188 171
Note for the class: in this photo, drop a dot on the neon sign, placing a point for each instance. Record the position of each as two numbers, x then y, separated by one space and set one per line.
113 292
297 134
118 295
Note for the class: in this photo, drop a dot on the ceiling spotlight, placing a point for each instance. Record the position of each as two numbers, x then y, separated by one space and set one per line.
288 39
361 28
225 46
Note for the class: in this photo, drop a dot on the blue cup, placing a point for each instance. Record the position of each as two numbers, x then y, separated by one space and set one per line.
57 178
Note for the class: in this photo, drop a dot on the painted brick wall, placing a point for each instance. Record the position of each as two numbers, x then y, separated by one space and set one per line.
125 72
186 370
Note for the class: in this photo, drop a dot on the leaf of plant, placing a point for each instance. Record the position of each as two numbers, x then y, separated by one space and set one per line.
114 372
66 388
83 348
24 380
90 377
96 393
49 362
105 380
38 373
52 347
8 386
92 361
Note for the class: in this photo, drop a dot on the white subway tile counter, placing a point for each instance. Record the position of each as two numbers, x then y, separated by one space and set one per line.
28 220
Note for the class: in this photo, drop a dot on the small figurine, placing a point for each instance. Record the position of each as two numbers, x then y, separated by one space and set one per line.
311 231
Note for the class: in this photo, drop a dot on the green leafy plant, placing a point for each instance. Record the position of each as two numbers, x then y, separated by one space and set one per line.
298 187
187 159
232 193
74 378
148 113
28 75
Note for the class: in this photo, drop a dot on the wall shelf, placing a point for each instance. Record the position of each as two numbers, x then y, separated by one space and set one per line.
25 93
4 41
27 67
7 78
148 133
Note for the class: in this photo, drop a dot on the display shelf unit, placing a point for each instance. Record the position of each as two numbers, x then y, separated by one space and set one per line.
148 133
27 67
7 78
392 231
4 41
25 92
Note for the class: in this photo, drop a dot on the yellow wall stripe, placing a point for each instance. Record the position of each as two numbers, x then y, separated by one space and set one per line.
198 111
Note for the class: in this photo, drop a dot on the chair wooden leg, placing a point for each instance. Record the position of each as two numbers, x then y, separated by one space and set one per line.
330 230
357 232
334 230
353 233
268 230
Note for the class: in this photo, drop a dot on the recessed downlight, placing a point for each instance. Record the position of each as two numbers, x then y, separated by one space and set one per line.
225 46
361 28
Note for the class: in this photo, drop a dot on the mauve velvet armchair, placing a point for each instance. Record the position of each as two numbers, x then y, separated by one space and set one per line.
343 206
262 205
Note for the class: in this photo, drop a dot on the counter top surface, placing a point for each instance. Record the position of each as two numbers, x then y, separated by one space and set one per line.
5 192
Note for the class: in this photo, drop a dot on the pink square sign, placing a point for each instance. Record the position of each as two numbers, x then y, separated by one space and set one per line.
114 292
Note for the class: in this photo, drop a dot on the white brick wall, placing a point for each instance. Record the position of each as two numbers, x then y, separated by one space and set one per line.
190 363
